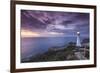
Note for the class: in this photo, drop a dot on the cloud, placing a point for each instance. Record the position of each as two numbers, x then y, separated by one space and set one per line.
59 27
28 33
56 22
52 34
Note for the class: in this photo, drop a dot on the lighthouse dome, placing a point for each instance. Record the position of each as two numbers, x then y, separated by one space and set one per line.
78 32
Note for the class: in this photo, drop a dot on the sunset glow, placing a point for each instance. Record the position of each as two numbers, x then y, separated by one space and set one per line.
28 33
55 33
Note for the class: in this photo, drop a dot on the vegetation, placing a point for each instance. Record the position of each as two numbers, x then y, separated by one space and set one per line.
62 54
58 55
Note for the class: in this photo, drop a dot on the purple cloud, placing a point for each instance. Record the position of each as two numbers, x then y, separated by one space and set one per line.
60 22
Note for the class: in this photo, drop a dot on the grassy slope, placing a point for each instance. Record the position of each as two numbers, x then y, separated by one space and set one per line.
52 55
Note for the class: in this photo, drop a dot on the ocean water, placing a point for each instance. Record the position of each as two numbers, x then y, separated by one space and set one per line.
38 45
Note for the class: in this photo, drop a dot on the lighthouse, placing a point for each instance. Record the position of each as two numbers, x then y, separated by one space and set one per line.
78 42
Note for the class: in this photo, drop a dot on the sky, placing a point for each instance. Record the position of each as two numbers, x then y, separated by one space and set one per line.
53 24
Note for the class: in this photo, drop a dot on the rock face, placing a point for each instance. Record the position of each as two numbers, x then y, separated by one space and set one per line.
80 56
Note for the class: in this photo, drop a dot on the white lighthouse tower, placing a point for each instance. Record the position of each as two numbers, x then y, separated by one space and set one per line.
78 42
